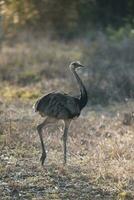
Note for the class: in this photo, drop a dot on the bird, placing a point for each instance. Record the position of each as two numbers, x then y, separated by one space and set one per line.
57 106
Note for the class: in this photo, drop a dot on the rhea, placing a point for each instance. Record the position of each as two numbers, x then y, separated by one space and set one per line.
60 106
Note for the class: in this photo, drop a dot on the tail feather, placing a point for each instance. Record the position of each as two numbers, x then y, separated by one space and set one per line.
35 106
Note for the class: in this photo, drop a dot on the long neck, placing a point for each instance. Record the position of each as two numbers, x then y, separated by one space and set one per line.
83 93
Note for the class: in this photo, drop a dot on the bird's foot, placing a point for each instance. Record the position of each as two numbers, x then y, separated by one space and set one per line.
65 162
43 157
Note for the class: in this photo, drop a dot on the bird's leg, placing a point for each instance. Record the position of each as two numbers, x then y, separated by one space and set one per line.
39 129
46 122
67 123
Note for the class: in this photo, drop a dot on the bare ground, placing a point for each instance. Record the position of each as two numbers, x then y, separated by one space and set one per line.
100 156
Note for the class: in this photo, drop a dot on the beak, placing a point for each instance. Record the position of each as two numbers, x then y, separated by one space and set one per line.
82 65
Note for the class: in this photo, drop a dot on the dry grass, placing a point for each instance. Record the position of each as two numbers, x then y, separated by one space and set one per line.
100 148
100 157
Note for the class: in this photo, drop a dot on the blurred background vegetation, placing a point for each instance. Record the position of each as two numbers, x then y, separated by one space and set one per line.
67 18
39 38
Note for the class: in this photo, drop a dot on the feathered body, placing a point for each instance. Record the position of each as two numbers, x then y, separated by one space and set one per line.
63 106
56 106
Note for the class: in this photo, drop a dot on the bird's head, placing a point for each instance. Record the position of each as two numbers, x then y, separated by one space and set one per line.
75 64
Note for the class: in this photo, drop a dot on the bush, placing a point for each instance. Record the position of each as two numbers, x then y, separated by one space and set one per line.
111 68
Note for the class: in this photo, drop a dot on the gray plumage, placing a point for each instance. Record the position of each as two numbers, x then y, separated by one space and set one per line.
57 105
61 106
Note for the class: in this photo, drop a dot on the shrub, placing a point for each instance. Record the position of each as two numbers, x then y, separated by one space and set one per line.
111 68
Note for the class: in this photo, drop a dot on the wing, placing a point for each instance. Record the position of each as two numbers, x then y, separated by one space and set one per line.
61 106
